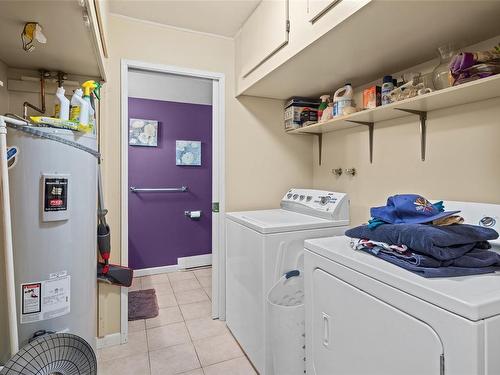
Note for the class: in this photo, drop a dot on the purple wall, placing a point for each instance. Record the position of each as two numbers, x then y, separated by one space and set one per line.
159 232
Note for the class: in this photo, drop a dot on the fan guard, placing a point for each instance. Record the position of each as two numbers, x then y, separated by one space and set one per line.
53 354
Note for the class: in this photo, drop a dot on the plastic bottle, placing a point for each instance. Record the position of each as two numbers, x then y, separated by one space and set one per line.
323 105
341 99
79 108
387 87
88 87
61 107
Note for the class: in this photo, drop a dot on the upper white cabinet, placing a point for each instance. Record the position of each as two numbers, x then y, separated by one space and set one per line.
74 31
279 29
263 34
331 43
317 8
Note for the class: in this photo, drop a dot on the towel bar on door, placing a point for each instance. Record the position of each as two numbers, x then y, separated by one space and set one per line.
182 189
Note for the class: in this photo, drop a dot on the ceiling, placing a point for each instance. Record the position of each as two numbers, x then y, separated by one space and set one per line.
69 44
211 16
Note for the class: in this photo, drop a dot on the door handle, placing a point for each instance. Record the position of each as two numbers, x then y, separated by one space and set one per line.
326 330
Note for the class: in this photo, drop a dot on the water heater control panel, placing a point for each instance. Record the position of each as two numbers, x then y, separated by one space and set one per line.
55 196
320 203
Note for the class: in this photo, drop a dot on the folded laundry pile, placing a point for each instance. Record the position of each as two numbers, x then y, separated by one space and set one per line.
412 233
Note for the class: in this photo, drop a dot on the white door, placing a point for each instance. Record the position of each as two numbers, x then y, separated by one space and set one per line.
263 34
357 334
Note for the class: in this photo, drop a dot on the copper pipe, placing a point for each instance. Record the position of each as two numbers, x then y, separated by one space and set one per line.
42 98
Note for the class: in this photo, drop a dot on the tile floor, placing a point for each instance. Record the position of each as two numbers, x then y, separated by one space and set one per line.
182 339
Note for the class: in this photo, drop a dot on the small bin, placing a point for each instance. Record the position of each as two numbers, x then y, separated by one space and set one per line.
287 324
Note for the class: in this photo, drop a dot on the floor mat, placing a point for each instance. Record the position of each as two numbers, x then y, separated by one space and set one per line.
142 304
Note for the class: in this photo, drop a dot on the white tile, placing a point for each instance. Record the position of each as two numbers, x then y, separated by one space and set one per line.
136 364
205 281
169 335
203 272
136 344
205 327
166 316
238 366
183 285
180 275
209 292
159 282
136 325
191 296
174 360
217 349
196 310
166 300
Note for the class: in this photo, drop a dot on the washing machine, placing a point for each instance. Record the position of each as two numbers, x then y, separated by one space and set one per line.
365 316
260 247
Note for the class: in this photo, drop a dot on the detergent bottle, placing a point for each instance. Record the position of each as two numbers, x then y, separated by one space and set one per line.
61 107
79 109
342 99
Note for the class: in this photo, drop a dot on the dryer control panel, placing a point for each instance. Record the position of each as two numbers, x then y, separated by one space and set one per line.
320 203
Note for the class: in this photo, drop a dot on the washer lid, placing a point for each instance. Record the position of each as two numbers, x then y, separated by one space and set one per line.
278 221
473 297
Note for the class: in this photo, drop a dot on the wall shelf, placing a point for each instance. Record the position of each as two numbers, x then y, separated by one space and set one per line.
482 89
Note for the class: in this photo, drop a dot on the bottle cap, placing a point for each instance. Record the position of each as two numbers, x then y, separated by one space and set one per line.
387 79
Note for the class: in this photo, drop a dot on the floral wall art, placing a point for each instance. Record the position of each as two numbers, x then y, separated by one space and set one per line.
143 132
188 153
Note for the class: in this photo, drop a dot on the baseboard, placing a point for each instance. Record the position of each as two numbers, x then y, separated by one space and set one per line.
109 340
155 270
194 261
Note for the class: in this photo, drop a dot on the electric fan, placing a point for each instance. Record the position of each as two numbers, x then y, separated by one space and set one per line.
53 354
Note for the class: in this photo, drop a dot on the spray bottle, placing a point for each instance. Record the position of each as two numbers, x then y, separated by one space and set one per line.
91 88
79 112
324 105
61 108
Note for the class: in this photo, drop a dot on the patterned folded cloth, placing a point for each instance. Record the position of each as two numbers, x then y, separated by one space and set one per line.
393 251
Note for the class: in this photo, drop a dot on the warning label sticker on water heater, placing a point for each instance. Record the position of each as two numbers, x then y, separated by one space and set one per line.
46 299
55 196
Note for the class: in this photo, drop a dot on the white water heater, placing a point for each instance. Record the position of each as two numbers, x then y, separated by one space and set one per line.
53 195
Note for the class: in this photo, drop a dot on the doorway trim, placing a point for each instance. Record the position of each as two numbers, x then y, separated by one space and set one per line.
218 179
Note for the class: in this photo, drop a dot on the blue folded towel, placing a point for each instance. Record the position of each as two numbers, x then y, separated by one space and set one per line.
434 272
440 242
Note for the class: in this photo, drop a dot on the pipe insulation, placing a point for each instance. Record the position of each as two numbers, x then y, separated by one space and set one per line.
7 238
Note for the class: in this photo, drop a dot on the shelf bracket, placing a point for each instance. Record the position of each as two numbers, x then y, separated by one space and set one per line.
320 145
423 128
371 126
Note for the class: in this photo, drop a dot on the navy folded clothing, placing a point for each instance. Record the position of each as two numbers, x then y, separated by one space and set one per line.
434 272
441 243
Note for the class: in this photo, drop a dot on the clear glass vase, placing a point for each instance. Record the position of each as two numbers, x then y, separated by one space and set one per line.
441 73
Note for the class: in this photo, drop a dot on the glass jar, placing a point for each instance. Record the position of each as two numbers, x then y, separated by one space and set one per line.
441 76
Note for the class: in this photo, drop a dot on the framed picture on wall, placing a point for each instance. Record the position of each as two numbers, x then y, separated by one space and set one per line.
188 153
143 132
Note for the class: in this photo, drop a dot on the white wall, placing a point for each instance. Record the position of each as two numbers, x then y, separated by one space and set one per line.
169 87
261 161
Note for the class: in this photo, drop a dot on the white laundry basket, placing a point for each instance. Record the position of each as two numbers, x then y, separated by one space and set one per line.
287 324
